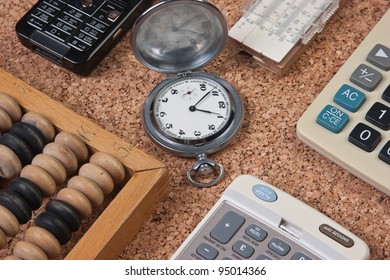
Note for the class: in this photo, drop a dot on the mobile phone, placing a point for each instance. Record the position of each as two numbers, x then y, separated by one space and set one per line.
77 34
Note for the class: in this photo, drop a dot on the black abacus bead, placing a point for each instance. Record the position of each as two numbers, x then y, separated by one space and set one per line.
17 205
29 134
66 212
28 190
18 146
54 224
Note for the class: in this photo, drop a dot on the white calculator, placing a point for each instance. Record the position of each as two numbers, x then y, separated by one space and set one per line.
349 121
255 220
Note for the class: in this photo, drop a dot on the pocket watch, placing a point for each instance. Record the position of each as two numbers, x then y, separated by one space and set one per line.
191 113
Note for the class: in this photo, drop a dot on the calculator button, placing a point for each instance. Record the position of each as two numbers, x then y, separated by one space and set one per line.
384 154
386 94
365 137
256 232
264 192
336 235
300 257
332 119
206 251
263 257
366 77
279 246
379 115
243 249
349 98
380 57
227 227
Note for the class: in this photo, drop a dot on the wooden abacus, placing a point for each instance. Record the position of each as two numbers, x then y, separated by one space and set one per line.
145 185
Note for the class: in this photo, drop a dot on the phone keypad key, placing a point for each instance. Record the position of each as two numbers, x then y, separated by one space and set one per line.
79 45
69 20
55 32
97 25
52 11
36 22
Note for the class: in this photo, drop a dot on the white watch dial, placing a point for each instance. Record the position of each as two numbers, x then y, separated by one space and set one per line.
192 108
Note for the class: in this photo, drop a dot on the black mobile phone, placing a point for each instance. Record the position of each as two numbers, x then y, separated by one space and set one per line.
77 34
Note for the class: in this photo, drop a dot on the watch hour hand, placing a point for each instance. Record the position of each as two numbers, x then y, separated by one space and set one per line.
193 109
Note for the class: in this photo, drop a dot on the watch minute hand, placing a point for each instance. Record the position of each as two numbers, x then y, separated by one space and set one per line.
204 96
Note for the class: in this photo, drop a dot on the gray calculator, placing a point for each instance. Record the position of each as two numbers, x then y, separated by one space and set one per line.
253 220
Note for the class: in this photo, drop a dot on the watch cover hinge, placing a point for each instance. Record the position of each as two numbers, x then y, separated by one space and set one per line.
184 74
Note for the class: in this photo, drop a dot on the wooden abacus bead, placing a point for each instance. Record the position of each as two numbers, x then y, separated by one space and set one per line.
66 212
12 258
29 251
45 240
41 178
111 164
99 175
30 135
87 187
52 165
3 239
64 155
10 165
17 205
77 200
28 190
8 222
55 225
5 121
8 104
75 143
42 124
20 148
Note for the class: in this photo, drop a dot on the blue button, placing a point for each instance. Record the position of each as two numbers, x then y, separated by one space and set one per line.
265 193
332 119
349 98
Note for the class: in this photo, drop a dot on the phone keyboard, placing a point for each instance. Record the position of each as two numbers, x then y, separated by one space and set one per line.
349 121
255 220
74 24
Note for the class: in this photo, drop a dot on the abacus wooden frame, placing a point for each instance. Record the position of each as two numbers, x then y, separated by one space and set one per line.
121 220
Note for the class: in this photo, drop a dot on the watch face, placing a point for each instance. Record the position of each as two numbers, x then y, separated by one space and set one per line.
192 108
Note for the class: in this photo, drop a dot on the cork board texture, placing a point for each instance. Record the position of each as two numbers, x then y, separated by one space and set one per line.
112 96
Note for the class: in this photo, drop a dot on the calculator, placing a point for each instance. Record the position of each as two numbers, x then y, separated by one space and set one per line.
77 34
349 121
253 220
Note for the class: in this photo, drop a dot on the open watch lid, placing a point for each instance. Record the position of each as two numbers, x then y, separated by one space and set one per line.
176 36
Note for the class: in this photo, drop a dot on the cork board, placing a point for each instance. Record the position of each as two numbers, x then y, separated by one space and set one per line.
267 146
